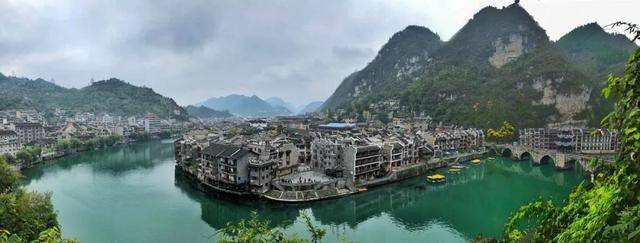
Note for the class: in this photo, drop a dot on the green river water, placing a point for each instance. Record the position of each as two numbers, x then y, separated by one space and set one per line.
131 194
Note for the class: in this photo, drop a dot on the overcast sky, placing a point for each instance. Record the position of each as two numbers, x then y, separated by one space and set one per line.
193 50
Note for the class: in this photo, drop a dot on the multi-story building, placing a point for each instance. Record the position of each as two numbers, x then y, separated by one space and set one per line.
570 140
538 138
9 142
151 124
326 154
281 151
363 162
31 116
446 142
261 173
401 153
28 132
226 166
598 142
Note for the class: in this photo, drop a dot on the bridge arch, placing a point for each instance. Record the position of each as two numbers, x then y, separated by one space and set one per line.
506 152
493 151
526 156
547 159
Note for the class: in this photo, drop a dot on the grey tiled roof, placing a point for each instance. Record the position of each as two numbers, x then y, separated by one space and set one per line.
227 151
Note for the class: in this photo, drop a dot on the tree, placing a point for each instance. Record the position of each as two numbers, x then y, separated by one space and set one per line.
75 143
255 230
506 132
607 210
25 216
10 159
62 145
9 178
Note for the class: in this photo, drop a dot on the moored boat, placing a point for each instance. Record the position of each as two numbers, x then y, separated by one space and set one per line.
436 178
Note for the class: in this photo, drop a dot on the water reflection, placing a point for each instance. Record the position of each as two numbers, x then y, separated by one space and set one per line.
113 161
476 201
479 200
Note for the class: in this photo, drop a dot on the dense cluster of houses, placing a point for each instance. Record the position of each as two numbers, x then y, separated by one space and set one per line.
303 156
23 128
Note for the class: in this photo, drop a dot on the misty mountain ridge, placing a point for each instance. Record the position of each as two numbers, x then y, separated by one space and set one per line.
245 106
254 106
300 109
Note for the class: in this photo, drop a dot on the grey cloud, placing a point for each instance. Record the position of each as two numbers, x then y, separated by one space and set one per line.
351 52
299 50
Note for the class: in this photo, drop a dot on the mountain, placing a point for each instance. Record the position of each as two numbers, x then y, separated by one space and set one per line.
597 54
203 112
595 51
500 66
112 96
279 102
403 56
246 106
311 107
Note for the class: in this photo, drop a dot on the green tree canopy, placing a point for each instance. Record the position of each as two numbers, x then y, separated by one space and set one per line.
608 208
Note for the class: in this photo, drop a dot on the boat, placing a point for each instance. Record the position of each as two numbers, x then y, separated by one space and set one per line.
475 161
457 167
492 158
436 178
362 189
455 171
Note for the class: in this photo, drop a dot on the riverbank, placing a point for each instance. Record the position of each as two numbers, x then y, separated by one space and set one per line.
337 188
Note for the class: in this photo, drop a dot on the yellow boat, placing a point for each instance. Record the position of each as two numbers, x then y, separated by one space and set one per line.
475 161
454 170
435 178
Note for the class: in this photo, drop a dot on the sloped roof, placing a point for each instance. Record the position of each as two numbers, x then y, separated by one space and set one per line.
227 151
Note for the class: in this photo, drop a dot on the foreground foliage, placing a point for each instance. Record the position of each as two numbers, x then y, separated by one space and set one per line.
607 209
255 230
25 216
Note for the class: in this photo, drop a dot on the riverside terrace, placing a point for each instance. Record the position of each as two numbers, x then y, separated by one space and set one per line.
321 162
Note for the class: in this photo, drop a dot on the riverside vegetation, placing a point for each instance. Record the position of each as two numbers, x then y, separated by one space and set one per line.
606 209
25 216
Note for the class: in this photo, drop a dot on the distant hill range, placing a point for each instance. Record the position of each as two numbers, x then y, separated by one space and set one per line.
302 109
500 66
279 102
311 107
203 112
254 106
245 106
112 96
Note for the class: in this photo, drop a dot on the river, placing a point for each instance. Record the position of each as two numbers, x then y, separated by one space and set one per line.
131 194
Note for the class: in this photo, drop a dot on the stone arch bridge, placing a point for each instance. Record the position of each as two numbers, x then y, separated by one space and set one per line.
559 159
